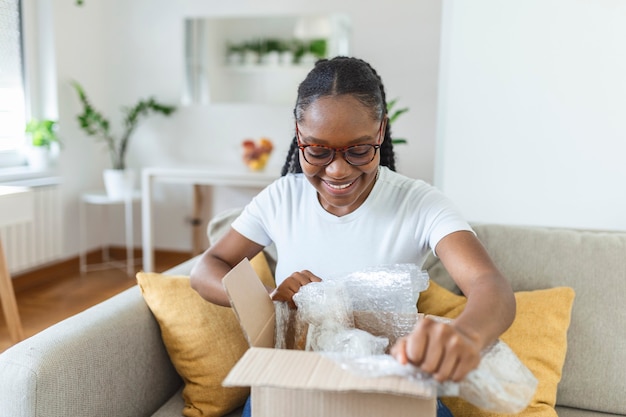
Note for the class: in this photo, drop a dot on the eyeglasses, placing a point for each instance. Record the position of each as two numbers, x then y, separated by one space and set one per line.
355 155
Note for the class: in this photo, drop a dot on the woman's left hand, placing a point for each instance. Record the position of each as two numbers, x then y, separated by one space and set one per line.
439 349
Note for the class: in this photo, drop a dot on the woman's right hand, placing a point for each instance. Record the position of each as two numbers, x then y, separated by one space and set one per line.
291 285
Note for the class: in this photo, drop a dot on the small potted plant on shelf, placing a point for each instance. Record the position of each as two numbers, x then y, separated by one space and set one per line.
252 52
234 53
43 142
271 50
118 180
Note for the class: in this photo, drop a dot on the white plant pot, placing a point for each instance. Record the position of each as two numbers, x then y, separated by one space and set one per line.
119 183
286 58
250 58
271 58
39 158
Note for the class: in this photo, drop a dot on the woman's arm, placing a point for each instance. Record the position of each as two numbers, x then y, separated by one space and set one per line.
206 275
450 351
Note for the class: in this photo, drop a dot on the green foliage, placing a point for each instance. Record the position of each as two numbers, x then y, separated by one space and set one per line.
393 115
42 132
318 48
273 44
95 124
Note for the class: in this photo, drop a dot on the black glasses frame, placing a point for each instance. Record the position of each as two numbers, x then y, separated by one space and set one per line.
343 150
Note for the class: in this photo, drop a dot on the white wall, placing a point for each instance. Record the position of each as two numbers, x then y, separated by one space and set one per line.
532 116
123 50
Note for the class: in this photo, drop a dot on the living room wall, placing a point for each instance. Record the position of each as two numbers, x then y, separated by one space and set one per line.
531 119
123 50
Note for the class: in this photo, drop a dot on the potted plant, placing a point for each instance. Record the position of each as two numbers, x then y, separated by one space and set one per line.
43 142
393 115
252 52
271 50
95 124
234 53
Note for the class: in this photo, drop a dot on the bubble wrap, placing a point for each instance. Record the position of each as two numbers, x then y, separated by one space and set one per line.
380 301
500 383
355 318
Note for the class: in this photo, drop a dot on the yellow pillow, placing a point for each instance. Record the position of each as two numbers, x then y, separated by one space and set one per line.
262 269
538 336
203 340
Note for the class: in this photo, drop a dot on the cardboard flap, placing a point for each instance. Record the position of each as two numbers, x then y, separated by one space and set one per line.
294 369
252 304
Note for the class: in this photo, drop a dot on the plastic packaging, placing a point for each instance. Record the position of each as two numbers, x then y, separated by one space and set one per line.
500 383
387 288
381 301
356 318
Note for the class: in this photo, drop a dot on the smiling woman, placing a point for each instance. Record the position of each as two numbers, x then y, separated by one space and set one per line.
340 207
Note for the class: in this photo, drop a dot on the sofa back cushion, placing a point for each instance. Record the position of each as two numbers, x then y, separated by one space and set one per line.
593 263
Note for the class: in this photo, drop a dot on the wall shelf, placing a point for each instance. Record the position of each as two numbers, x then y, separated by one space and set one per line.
211 79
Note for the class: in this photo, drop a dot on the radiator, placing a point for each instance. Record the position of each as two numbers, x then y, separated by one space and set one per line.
34 244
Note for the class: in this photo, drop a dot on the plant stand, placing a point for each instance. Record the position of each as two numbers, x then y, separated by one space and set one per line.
102 199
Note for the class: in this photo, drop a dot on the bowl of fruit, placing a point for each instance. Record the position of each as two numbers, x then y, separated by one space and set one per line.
256 153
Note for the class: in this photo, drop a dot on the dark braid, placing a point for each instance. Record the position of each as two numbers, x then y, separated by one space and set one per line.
292 164
338 76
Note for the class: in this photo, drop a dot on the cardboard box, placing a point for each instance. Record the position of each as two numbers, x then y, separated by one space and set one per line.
306 384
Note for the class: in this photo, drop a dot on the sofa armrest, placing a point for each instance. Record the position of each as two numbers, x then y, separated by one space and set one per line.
106 361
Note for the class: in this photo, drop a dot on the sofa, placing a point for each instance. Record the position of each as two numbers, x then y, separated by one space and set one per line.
110 360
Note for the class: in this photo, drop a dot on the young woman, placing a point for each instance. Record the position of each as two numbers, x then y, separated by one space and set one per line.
339 206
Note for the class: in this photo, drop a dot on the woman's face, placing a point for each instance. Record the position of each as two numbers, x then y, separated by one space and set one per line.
338 122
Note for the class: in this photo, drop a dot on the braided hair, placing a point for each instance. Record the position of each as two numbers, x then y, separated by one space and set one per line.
338 76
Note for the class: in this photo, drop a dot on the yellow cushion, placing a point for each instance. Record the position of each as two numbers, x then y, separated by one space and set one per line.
538 336
203 340
262 269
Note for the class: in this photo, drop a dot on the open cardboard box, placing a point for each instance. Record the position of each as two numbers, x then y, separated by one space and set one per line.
286 383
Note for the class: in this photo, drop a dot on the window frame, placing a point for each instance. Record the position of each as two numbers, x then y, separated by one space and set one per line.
13 163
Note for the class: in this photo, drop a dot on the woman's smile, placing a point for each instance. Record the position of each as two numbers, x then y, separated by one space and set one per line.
338 187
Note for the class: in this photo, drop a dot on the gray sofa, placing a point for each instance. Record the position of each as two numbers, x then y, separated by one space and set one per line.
110 361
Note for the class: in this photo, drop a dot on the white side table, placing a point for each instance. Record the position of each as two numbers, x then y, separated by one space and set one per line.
100 198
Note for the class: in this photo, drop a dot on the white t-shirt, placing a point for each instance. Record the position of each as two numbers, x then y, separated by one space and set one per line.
401 219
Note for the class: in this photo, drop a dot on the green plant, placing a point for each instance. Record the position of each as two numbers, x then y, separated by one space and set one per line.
42 132
318 48
393 115
95 124
298 48
254 45
273 44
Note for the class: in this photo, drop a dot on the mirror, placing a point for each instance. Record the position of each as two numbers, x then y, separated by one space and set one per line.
257 59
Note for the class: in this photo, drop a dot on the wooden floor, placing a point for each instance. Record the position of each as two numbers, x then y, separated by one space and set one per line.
44 302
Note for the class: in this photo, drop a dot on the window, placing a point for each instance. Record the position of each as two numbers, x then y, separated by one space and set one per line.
12 86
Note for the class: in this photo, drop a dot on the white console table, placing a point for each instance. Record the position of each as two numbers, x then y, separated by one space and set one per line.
16 206
211 176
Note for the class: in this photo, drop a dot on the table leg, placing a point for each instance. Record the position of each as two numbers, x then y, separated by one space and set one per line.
146 222
7 297
128 217
196 220
82 237
104 234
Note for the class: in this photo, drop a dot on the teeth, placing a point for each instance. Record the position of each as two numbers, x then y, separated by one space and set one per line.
339 187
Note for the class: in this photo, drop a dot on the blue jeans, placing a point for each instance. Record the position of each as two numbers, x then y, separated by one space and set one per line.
442 410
